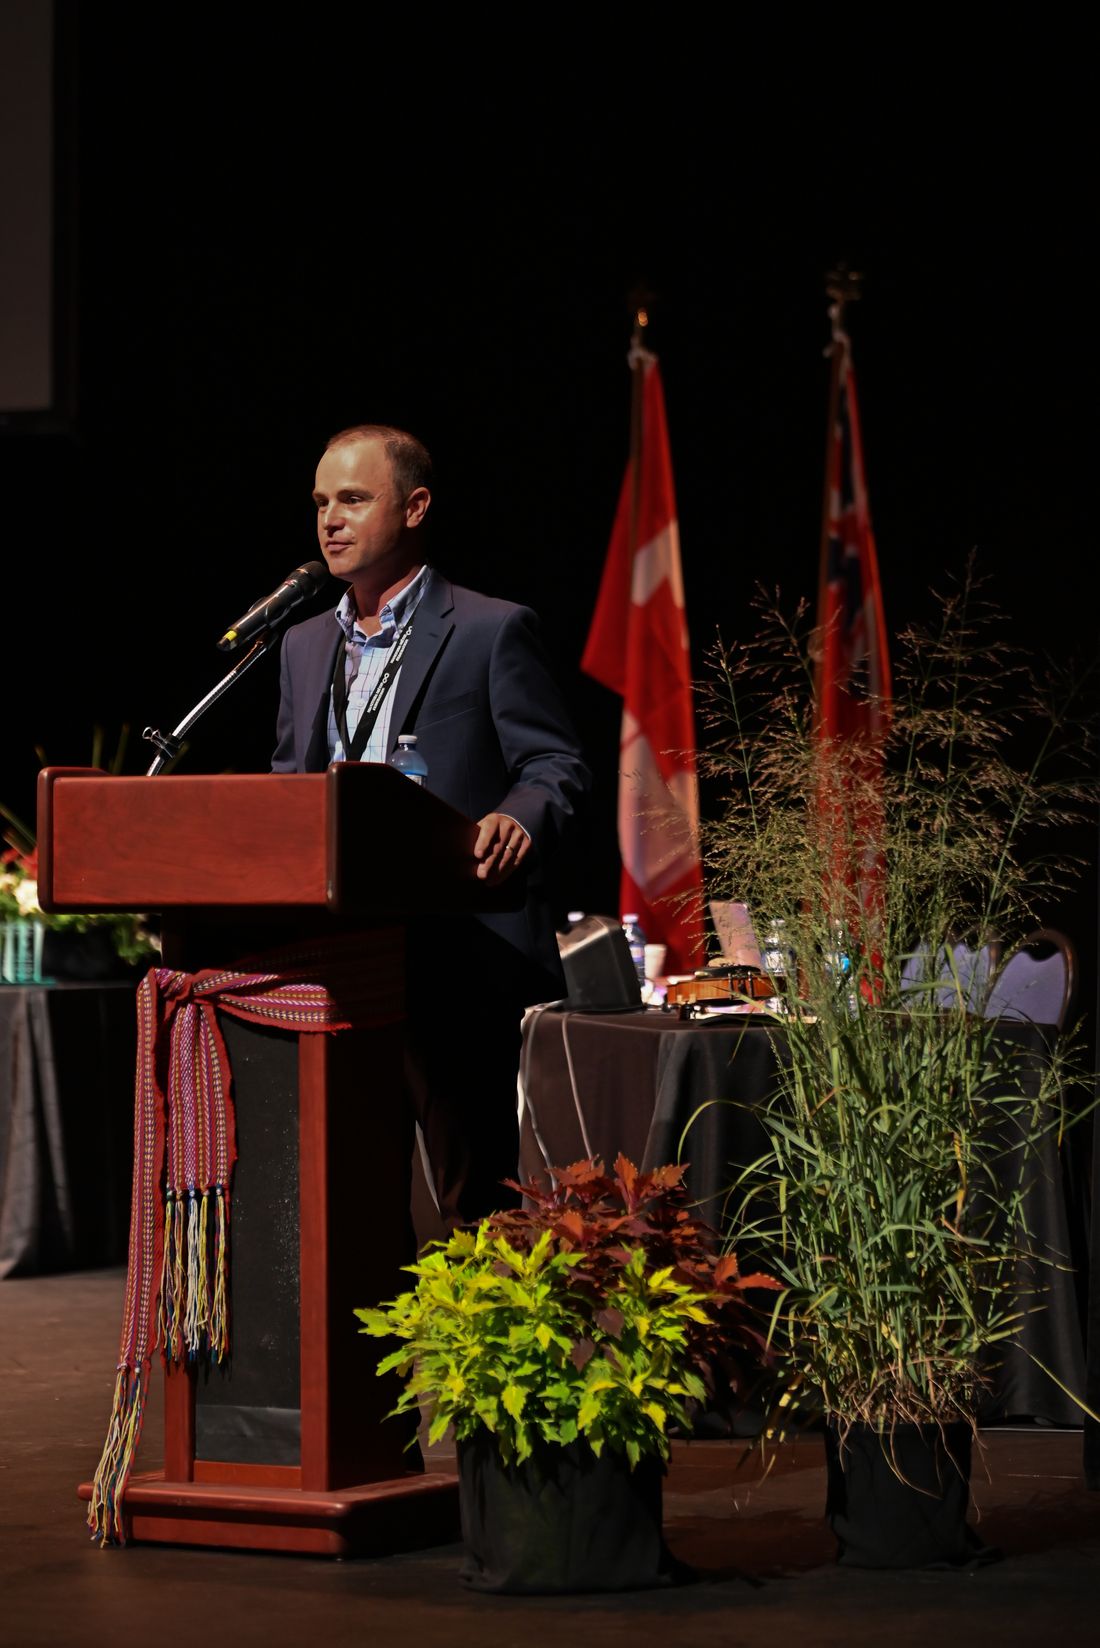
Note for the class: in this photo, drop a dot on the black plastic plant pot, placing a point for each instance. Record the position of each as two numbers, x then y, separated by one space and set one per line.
900 1499
561 1522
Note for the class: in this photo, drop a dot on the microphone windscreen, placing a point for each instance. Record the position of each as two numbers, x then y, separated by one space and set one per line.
311 574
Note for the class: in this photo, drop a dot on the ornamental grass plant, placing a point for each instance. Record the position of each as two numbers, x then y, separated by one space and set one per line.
594 1314
905 1126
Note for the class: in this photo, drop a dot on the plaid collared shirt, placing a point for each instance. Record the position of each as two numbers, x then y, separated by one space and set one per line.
365 659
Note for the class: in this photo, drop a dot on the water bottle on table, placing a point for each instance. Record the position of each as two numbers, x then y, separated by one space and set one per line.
407 759
635 938
775 957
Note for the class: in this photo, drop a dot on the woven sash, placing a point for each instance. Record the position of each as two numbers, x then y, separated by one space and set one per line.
184 1150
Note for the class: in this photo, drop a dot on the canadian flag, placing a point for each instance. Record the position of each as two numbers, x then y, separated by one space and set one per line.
638 646
853 673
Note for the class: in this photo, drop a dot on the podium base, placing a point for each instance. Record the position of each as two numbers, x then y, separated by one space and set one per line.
404 1513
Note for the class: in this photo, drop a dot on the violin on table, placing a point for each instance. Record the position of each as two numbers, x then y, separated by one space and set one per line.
722 984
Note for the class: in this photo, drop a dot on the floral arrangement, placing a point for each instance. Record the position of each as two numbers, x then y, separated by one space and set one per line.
129 936
19 885
126 932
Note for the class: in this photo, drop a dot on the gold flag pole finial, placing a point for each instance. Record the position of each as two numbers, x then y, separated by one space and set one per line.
640 301
842 286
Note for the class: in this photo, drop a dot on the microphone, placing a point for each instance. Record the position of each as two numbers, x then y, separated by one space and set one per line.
297 586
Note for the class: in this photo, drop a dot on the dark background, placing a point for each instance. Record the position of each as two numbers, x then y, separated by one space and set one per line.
273 230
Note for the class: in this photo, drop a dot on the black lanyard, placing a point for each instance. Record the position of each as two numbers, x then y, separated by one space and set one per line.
354 747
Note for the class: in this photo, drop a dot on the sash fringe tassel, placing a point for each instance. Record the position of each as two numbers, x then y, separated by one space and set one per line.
113 1471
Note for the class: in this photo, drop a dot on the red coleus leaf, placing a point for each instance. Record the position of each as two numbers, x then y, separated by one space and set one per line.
571 1224
525 1187
668 1177
627 1175
759 1280
582 1353
610 1320
580 1173
636 1224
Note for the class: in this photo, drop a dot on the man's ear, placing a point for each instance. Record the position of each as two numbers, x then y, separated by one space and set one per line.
416 505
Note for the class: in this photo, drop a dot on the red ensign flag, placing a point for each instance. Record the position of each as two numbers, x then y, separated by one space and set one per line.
853 674
852 682
638 646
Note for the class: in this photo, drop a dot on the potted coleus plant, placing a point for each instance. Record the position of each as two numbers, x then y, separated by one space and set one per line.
563 1342
904 1125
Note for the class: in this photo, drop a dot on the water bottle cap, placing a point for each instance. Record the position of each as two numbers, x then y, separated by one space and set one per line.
633 916
407 738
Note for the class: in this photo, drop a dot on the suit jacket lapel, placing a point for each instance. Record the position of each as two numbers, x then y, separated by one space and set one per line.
320 692
433 622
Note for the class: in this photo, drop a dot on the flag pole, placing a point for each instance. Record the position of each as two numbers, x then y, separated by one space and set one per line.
842 286
640 300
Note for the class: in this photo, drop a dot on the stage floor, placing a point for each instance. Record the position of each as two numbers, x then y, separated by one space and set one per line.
761 1548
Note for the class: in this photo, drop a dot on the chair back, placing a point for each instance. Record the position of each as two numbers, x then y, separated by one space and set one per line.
959 977
1038 981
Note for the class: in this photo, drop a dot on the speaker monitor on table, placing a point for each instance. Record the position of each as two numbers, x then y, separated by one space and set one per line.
598 967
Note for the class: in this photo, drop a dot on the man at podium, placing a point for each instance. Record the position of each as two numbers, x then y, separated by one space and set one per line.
406 651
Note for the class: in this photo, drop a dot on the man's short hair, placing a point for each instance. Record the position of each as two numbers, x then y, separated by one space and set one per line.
410 459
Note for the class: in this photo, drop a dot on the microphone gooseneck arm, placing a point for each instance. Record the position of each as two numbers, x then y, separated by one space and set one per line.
168 745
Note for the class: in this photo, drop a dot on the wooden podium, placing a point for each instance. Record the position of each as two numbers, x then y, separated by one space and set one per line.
236 865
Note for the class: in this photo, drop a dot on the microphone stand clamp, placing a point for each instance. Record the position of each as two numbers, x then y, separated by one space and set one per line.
168 746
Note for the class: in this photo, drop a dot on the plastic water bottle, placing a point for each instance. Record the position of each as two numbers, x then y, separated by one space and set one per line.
773 952
775 958
635 938
839 965
408 760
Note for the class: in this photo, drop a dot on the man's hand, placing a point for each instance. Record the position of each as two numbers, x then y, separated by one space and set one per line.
501 844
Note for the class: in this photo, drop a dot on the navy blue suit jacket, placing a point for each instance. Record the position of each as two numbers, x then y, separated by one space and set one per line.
476 688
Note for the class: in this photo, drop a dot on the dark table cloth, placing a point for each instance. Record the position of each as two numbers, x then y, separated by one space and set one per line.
662 1089
67 1055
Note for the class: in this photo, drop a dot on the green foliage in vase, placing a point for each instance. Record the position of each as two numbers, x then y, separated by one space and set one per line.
556 1323
904 1127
